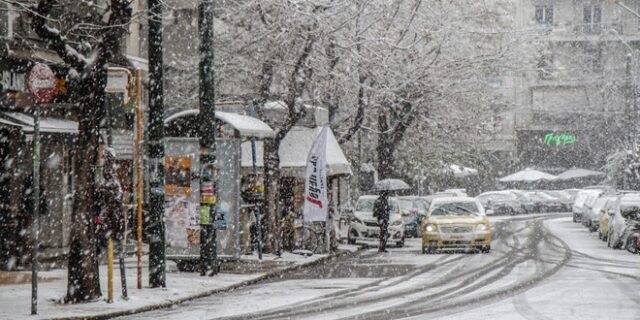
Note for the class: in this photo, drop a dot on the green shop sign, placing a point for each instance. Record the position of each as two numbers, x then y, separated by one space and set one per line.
562 139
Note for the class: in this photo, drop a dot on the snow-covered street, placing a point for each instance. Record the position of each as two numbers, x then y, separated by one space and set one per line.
542 267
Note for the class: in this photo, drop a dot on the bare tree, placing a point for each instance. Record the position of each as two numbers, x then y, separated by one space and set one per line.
83 277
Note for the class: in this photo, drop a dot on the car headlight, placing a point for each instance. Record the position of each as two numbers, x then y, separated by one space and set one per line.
396 223
481 227
430 228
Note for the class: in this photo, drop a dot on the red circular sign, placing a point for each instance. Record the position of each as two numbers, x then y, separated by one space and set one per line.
41 83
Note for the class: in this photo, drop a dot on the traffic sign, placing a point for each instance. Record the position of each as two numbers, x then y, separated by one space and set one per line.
41 83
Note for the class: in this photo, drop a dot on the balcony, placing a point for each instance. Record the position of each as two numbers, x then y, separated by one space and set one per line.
596 28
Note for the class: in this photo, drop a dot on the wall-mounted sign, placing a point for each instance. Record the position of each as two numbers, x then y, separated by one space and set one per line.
559 139
13 80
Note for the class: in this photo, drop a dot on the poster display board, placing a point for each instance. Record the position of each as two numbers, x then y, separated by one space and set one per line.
182 207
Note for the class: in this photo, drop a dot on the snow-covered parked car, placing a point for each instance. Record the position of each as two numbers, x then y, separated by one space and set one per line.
562 196
364 226
605 215
591 217
545 202
501 202
579 204
624 222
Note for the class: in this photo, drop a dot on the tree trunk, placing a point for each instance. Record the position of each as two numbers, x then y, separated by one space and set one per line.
272 195
386 157
83 278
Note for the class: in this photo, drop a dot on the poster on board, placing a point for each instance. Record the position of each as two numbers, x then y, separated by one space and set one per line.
177 175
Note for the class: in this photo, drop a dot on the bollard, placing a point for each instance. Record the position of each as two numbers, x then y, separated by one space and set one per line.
110 271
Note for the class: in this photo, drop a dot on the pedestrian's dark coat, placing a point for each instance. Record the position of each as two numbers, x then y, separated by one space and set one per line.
381 208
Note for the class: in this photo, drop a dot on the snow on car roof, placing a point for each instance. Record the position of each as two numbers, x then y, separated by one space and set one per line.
454 199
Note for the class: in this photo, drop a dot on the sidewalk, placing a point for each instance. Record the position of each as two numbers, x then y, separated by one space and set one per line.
15 291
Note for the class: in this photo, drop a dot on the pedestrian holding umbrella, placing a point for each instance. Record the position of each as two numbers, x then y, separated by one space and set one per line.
381 207
381 211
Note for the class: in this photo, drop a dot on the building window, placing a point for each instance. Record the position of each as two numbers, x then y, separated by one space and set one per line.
545 64
544 15
592 18
593 58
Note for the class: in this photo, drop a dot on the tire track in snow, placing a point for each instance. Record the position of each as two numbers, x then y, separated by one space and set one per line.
421 308
333 303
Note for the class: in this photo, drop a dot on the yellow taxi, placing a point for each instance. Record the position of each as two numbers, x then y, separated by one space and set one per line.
456 223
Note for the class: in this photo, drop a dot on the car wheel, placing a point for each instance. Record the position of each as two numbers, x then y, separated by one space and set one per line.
486 249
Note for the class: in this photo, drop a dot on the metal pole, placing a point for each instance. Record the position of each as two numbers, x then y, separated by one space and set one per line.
208 131
157 259
110 270
254 158
36 210
138 168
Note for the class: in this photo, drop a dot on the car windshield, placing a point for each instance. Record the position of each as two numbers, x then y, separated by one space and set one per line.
412 204
455 209
366 205
538 196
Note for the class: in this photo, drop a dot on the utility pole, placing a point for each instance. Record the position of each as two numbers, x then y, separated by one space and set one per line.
157 259
208 131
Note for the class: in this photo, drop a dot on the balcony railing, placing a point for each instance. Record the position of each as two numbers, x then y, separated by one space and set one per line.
597 28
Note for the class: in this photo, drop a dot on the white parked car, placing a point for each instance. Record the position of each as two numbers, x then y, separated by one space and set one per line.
364 226
501 202
624 221
591 218
589 201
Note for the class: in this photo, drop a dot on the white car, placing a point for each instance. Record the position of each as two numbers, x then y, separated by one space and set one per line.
364 226
588 203
624 220
591 218
501 202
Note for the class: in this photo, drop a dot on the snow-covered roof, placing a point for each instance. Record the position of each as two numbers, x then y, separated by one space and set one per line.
577 173
47 124
294 149
247 126
527 175
461 172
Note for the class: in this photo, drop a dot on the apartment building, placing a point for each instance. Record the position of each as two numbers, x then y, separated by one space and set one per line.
571 99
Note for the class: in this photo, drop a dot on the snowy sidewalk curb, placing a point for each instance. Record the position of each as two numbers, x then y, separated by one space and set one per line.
232 287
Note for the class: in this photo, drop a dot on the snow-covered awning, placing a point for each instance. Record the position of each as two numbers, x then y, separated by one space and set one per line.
138 63
47 124
246 125
293 152
527 175
577 173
